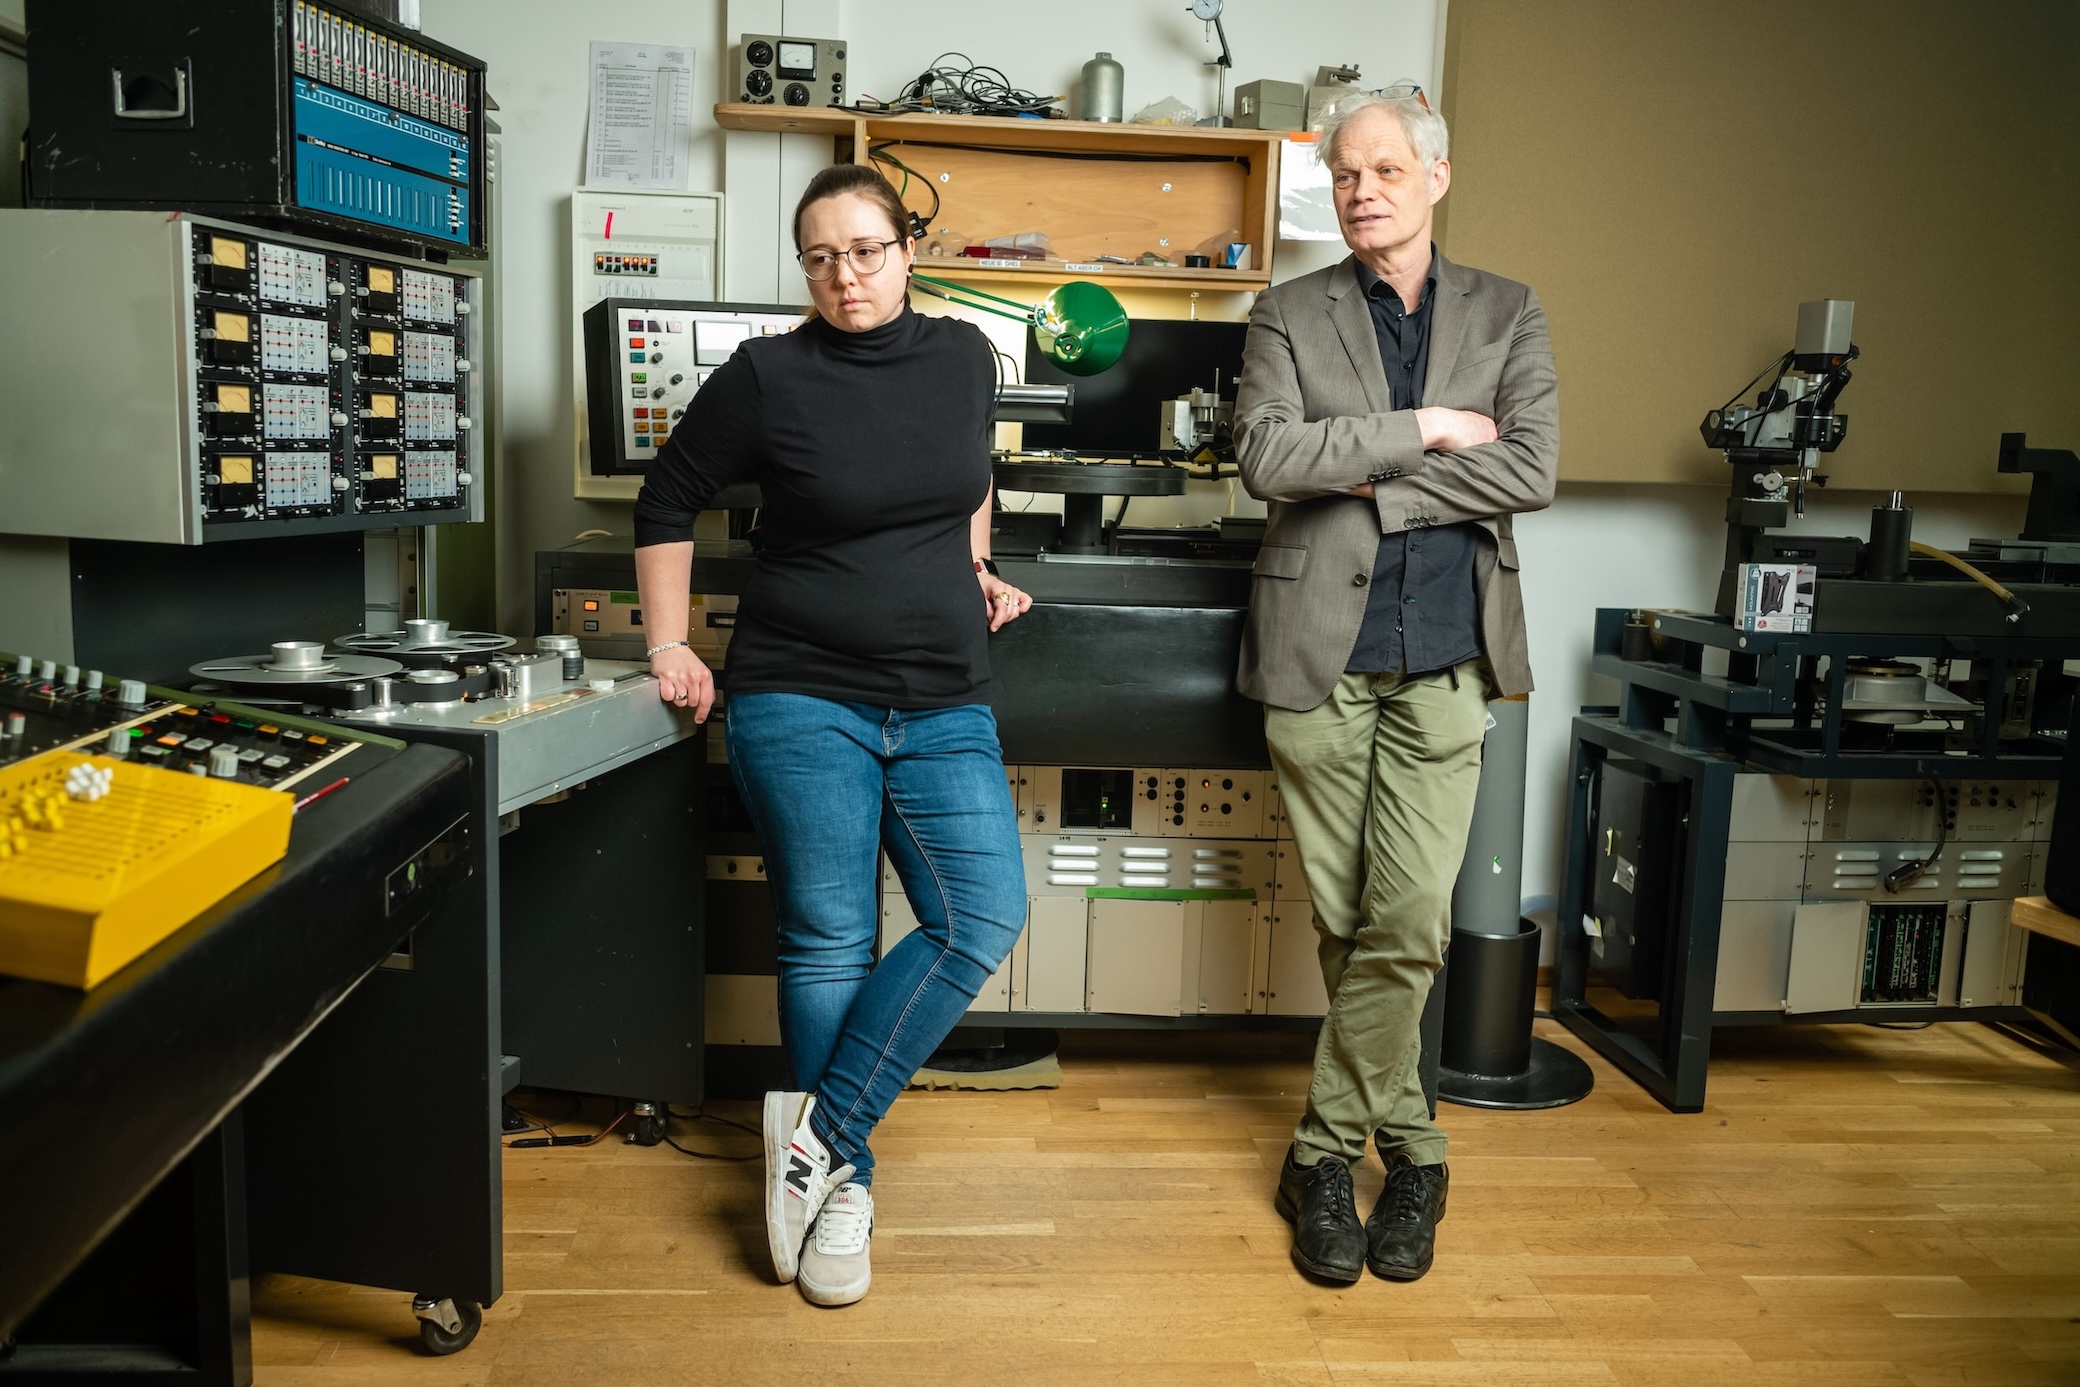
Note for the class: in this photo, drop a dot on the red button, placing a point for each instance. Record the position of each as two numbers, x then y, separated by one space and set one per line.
220 717
634 342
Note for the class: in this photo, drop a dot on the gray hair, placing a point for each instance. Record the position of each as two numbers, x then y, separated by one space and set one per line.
1424 128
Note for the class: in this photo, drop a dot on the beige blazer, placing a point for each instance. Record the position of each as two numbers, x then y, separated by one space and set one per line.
1314 417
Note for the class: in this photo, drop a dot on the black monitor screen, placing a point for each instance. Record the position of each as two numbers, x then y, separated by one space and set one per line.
1119 411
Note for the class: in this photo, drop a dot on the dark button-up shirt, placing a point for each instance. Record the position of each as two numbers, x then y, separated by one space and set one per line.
1422 612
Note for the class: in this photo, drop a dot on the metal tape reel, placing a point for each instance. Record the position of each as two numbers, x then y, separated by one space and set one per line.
291 663
423 641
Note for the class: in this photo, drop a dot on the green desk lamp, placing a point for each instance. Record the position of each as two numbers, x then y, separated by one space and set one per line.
1080 326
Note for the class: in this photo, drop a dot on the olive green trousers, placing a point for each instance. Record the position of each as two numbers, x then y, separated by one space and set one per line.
1378 783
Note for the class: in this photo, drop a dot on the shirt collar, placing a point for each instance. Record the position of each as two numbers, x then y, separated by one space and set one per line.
1370 284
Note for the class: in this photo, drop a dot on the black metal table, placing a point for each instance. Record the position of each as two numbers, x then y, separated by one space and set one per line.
104 1095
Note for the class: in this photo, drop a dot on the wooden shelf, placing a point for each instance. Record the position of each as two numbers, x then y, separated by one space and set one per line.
1165 188
2039 916
962 268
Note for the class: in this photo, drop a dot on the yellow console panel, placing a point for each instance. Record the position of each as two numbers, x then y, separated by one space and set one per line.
101 859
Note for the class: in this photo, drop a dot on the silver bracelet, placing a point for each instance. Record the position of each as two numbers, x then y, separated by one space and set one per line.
654 651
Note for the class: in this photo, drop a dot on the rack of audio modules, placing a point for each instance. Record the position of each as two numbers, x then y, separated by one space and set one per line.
330 383
310 386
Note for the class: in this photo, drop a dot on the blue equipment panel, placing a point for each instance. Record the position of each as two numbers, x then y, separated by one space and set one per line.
355 158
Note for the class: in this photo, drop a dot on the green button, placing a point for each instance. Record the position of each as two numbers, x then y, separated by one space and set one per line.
639 377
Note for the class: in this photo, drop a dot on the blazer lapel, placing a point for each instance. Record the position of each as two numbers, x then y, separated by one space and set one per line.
1353 319
1448 319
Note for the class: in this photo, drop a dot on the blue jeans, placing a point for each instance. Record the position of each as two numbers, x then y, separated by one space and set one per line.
827 784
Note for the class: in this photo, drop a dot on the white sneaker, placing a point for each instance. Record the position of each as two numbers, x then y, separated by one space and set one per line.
835 1269
798 1177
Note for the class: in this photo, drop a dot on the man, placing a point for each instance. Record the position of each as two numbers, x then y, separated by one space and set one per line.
1396 411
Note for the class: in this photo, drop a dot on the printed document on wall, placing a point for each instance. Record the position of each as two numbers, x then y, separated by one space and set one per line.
1306 203
641 109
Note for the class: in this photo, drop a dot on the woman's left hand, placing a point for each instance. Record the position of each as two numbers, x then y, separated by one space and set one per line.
1004 602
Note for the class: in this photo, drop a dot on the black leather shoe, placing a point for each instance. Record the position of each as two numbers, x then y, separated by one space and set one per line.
1328 1240
1401 1235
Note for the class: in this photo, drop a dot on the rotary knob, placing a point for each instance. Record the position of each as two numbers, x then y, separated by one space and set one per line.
462 365
339 483
47 671
462 422
339 353
339 421
335 288
223 762
130 693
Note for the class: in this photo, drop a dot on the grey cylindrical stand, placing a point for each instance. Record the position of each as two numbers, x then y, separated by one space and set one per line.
1489 1057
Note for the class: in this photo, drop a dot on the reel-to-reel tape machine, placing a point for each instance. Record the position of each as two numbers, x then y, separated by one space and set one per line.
475 689
377 674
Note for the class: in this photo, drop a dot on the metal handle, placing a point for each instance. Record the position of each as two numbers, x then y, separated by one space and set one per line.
180 91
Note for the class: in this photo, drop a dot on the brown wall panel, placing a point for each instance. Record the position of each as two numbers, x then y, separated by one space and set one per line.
1674 178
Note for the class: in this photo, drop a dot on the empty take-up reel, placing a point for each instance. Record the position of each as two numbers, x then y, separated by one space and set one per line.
425 644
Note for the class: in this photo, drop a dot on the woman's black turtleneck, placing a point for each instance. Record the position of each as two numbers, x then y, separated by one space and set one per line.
872 450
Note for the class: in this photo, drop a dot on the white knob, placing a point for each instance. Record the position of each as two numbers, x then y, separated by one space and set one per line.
131 692
339 421
93 680
47 671
462 421
462 364
223 762
208 334
339 353
462 305
23 664
72 676
118 743
335 288
339 483
197 768
463 479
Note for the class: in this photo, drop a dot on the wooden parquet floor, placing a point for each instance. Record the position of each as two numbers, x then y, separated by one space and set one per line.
1856 1206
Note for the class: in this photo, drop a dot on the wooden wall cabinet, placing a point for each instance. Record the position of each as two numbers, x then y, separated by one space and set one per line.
1094 189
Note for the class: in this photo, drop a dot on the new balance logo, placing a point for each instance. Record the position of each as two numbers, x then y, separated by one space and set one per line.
798 1172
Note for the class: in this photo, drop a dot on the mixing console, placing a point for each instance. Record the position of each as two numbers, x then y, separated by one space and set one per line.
47 707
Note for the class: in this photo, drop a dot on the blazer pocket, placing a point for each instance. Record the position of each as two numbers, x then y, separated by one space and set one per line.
1281 560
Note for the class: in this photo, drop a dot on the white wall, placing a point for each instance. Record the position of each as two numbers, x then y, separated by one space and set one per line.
537 51
1597 546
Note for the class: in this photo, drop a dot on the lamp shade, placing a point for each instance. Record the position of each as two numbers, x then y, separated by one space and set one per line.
1081 328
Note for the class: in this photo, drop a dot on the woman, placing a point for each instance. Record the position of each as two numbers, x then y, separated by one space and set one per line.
857 676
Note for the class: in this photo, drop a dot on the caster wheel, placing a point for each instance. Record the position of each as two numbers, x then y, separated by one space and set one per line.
647 1128
447 1326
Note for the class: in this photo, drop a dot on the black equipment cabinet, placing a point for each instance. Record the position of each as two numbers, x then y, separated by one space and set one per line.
595 966
1657 774
297 113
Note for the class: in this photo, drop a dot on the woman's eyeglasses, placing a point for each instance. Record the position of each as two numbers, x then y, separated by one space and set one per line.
867 258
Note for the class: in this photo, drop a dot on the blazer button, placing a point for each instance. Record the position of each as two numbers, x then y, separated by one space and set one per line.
1359 580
